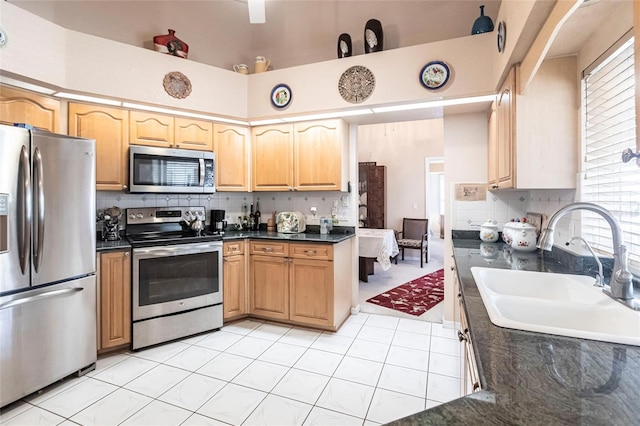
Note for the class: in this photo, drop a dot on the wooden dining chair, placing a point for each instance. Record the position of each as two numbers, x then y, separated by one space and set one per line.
414 235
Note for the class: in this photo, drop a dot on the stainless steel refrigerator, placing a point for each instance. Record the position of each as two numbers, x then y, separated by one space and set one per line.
47 259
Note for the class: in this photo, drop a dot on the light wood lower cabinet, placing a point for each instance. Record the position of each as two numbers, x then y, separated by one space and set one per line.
301 283
115 299
234 287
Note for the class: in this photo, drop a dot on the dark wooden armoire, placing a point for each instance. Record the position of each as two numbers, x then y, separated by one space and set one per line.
371 189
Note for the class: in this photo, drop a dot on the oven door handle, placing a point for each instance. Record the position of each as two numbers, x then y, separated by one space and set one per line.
177 250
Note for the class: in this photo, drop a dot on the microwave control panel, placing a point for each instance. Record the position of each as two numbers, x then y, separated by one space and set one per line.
209 174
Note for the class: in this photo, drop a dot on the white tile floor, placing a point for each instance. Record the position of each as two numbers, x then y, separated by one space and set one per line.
375 369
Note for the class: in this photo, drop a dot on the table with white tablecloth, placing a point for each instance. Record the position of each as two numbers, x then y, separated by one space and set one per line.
375 244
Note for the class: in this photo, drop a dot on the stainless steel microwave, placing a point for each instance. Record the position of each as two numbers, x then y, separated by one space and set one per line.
166 170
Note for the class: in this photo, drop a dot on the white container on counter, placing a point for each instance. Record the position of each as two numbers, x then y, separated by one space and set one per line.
489 232
520 236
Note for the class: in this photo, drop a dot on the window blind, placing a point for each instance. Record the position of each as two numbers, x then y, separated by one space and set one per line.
609 128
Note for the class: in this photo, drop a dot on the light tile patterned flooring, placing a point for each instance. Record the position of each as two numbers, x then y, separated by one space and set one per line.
375 369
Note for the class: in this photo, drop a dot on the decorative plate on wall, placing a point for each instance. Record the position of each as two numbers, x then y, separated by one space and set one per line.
281 96
502 36
356 84
434 75
177 85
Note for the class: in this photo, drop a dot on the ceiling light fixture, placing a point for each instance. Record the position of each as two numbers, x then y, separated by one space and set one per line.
85 98
329 115
266 122
256 11
24 85
183 113
435 104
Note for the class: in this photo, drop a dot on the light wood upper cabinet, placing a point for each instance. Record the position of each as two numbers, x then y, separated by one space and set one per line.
318 155
21 106
193 134
537 133
231 145
501 161
115 299
110 128
272 154
309 156
151 129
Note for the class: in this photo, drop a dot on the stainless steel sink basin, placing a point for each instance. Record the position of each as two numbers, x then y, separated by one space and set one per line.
561 304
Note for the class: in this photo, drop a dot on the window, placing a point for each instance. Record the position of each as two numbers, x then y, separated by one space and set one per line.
609 127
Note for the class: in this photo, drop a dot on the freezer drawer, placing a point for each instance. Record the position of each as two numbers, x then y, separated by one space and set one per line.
46 334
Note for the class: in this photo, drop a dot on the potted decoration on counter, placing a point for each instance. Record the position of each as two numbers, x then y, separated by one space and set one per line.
171 45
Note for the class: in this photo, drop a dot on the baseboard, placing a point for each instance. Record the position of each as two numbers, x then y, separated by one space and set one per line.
355 310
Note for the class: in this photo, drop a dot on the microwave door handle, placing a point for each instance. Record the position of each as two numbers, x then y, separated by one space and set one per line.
24 209
201 183
38 198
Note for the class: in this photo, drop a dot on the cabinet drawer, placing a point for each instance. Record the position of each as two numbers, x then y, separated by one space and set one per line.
312 251
270 248
233 247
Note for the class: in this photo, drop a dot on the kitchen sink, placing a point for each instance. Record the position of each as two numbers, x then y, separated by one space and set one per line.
561 304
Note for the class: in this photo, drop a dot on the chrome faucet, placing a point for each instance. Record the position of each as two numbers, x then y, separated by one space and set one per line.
600 276
621 283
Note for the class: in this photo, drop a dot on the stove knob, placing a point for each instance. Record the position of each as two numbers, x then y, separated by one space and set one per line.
132 215
139 216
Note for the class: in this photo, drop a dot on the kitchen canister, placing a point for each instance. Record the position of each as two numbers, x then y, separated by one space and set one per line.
489 232
521 236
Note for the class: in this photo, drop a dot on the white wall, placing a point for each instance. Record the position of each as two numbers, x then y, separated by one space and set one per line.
402 148
465 151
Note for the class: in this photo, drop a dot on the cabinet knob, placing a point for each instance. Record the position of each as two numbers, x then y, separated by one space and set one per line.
125 187
461 336
494 186
224 259
177 145
126 254
476 386
310 252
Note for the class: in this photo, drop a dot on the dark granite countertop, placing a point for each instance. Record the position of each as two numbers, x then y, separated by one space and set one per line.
122 244
534 378
312 237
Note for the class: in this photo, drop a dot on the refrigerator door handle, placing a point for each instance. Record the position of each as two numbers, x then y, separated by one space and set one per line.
29 299
24 209
38 199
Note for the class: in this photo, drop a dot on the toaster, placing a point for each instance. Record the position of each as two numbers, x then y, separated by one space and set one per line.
291 222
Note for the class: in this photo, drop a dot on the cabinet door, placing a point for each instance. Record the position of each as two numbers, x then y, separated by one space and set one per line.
21 106
150 129
505 130
270 287
110 128
311 291
318 156
272 154
115 299
234 286
492 154
231 146
193 134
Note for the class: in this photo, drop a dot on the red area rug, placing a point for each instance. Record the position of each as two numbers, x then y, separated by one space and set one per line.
415 297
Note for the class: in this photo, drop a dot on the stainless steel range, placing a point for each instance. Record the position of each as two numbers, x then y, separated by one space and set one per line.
176 274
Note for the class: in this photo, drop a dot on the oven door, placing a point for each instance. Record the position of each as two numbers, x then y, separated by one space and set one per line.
177 278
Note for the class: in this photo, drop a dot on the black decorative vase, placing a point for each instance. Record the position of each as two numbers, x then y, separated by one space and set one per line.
483 24
344 46
373 37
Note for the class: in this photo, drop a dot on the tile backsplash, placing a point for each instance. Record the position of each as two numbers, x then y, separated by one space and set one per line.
502 206
232 203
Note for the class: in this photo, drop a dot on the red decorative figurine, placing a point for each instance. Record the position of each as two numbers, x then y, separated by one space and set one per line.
171 45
